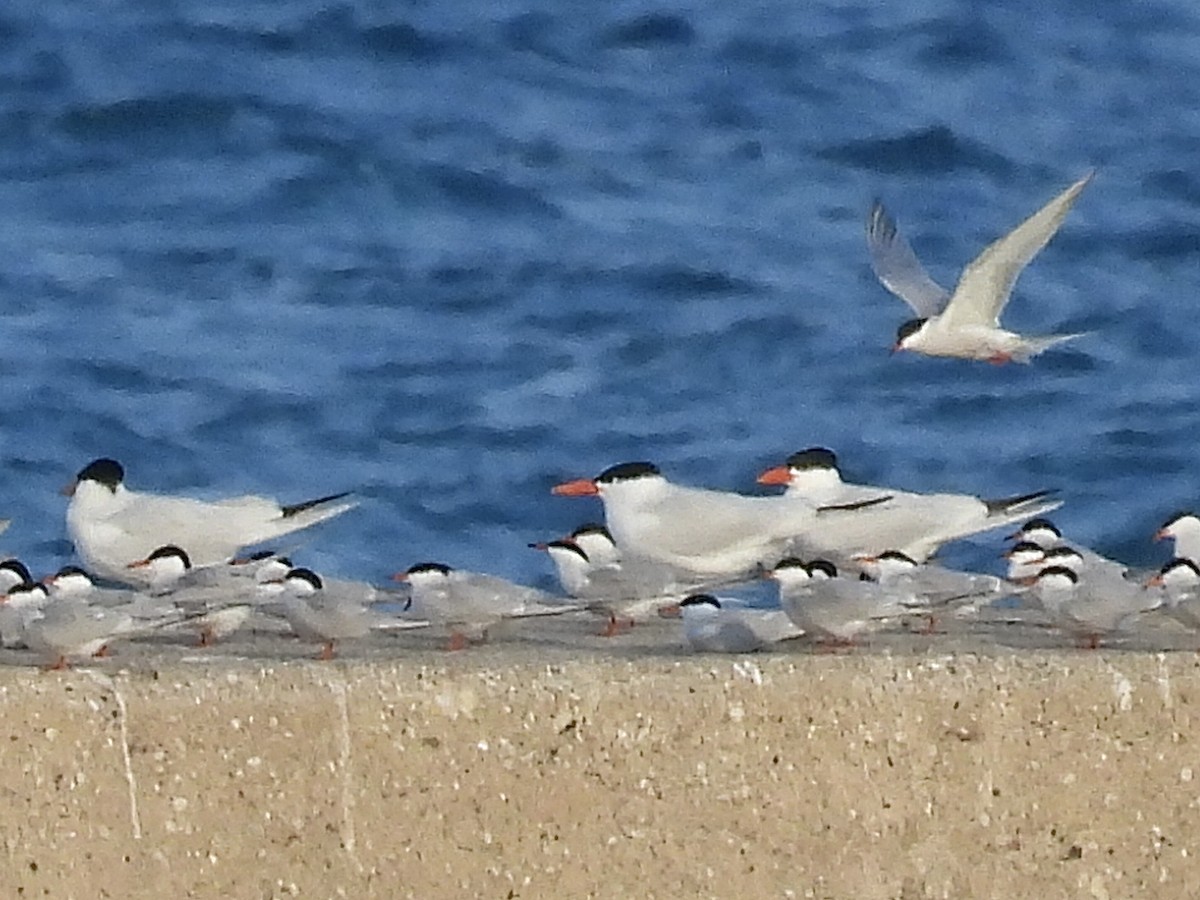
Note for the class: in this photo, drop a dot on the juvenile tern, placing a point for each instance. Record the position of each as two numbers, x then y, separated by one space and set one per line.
913 523
713 626
966 323
112 526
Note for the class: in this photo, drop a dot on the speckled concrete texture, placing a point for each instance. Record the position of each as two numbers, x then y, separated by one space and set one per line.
1057 774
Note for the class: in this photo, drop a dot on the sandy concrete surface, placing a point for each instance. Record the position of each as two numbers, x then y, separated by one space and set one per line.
1047 773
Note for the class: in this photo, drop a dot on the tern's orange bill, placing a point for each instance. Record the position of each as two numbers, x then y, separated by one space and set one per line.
68 490
776 475
1161 534
400 576
580 487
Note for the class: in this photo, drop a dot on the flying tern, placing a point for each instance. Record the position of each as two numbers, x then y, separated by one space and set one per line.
966 323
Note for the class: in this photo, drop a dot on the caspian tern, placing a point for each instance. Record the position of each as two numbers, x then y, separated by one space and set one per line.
915 524
966 323
1184 529
704 533
113 526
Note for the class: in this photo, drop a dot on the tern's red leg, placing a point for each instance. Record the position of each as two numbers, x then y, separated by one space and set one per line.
458 641
59 665
326 651
999 359
102 653
206 637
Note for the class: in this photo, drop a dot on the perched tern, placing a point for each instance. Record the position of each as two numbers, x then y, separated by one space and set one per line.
713 626
12 573
1045 534
1091 609
912 523
831 608
966 323
933 586
19 604
112 526
216 600
1179 580
1024 561
705 533
1184 530
328 614
469 603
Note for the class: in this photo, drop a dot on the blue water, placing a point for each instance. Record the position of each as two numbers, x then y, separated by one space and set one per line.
450 253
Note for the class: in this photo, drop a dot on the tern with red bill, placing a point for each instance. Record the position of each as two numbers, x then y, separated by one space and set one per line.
966 323
1184 530
912 523
705 533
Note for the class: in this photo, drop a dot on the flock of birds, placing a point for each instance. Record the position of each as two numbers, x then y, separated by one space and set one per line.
848 560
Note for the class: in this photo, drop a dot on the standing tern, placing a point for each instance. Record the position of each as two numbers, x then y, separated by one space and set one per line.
112 525
326 614
713 626
1184 529
705 533
1092 608
1179 581
833 609
469 603
912 523
1045 534
966 323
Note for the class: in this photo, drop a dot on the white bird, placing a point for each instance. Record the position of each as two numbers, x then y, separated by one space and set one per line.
74 583
469 603
1184 530
1045 534
966 324
20 603
112 526
216 600
604 588
1092 609
912 523
69 628
713 626
832 609
326 614
934 587
707 534
1024 561
12 573
1179 581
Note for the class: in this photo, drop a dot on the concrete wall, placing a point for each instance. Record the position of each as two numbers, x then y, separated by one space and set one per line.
1046 774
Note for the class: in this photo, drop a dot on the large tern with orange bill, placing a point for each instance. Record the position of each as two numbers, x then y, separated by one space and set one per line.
912 523
706 533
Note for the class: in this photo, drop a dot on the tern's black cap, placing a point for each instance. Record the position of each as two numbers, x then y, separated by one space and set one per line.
107 472
813 458
627 472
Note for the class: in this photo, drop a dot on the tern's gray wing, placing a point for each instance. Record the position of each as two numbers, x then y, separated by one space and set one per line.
987 282
898 268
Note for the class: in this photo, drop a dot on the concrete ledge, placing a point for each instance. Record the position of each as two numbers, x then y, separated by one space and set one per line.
1049 774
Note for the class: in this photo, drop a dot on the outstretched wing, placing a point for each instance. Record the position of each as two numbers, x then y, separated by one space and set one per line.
987 283
898 268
